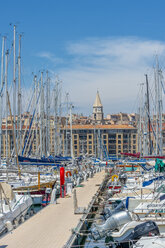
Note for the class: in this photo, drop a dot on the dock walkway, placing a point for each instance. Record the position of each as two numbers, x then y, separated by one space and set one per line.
51 227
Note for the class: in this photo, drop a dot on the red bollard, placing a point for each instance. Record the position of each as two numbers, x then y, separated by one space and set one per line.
62 182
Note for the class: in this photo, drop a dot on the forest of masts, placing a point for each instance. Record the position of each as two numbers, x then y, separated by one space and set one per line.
44 103
150 135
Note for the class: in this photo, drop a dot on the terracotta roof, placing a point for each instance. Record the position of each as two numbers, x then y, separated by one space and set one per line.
84 126
102 127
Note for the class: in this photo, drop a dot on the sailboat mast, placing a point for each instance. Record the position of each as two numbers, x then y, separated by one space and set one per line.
95 140
55 116
99 144
156 116
43 120
6 110
140 119
66 125
48 147
15 145
71 138
159 109
14 82
2 61
145 129
54 103
160 114
19 126
36 124
59 121
148 113
41 117
47 113
1 96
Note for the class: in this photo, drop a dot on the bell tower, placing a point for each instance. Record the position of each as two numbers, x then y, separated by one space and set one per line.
98 115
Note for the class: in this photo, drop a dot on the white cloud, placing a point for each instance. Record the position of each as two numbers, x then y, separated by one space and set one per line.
115 66
49 56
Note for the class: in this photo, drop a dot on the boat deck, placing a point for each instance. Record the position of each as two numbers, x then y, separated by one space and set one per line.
52 226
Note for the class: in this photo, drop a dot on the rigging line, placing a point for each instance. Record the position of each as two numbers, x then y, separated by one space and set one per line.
28 108
10 89
163 84
136 101
34 112
161 62
152 129
29 100
151 95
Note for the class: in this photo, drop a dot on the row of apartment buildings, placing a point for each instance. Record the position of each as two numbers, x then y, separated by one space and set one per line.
95 135
99 140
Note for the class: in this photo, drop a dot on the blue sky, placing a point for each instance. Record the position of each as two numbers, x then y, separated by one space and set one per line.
92 44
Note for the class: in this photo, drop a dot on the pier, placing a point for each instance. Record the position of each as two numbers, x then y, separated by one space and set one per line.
52 226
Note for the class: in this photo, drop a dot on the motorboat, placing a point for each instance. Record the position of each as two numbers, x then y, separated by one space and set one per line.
13 207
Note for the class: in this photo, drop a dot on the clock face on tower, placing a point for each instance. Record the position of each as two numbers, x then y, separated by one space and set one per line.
99 109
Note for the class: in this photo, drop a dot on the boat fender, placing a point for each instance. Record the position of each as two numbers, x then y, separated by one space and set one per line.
9 226
15 223
113 177
75 171
31 212
22 219
68 173
110 171
78 181
53 198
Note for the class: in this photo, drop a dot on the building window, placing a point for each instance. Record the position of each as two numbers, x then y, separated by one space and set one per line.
112 136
